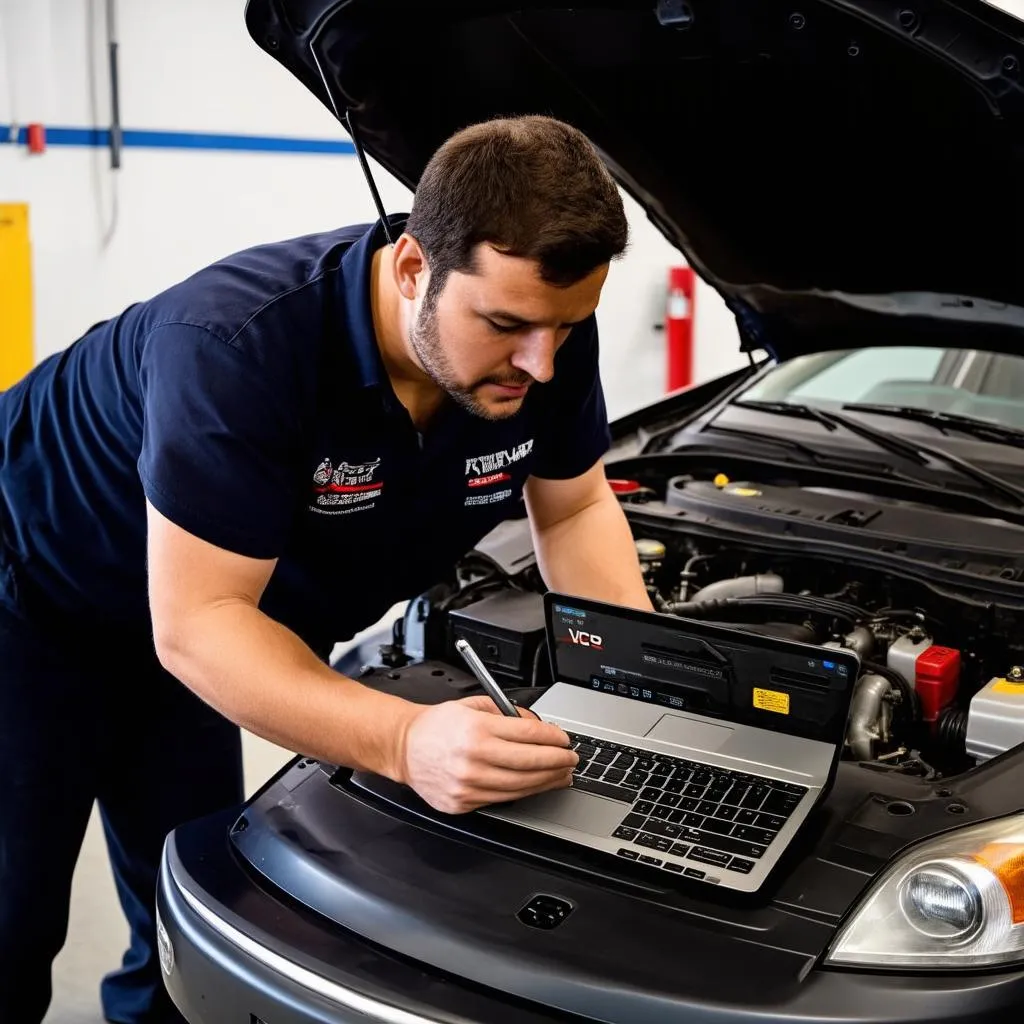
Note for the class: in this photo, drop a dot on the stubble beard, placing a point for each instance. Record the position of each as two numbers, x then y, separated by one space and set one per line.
425 339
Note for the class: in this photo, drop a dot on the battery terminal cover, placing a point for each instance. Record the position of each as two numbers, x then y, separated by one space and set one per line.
937 679
931 669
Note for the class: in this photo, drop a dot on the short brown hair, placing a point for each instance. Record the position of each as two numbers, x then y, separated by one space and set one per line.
532 187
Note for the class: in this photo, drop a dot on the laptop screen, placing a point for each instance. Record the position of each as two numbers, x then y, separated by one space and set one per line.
720 671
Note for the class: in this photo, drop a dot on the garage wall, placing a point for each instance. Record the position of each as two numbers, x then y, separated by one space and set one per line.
102 239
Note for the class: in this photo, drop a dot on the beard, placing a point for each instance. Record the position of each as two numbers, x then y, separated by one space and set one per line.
425 338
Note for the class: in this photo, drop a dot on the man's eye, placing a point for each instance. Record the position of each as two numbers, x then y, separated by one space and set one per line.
503 328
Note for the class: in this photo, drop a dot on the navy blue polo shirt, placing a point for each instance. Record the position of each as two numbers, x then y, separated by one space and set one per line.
250 405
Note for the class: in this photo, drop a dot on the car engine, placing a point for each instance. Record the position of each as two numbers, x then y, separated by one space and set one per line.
941 687
923 657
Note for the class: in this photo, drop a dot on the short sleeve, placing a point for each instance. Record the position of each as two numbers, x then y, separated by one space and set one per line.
573 416
218 438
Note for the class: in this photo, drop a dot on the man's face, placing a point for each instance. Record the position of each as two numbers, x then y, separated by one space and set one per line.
492 334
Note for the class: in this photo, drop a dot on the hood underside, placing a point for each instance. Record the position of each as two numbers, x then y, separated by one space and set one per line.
843 173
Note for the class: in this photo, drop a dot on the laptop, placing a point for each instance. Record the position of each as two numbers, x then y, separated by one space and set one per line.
702 748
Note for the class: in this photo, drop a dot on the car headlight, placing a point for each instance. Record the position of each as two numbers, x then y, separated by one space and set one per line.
955 901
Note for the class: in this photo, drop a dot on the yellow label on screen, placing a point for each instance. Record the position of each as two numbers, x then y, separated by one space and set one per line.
15 294
771 700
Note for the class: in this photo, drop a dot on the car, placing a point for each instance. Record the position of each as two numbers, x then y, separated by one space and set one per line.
846 176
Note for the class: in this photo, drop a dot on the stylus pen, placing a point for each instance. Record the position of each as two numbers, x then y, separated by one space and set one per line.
487 681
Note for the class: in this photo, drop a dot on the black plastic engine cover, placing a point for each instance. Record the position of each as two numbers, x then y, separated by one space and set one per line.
833 513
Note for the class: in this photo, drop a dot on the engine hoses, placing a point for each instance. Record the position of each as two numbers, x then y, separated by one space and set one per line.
910 702
848 614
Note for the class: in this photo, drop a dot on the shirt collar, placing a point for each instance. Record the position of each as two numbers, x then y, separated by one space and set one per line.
356 266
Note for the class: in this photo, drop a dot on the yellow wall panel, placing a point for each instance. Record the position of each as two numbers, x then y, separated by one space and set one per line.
16 350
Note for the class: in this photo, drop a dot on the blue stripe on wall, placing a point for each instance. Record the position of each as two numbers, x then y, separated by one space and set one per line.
57 136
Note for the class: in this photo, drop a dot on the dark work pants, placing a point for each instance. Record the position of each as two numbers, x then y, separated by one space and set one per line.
87 714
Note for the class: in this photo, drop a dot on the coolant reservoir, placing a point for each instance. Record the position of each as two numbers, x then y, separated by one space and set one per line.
649 550
995 721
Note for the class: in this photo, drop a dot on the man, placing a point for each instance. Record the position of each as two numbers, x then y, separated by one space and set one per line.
218 484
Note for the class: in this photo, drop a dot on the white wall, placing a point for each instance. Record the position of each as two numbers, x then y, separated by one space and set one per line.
103 239
633 350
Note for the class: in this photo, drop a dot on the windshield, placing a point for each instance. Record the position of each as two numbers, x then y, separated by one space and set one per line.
964 382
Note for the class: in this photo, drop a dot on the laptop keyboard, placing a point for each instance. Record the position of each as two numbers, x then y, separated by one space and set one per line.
693 811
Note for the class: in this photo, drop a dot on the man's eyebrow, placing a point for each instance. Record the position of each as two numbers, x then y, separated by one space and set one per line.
514 320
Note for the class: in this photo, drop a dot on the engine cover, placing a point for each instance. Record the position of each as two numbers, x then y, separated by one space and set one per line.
958 541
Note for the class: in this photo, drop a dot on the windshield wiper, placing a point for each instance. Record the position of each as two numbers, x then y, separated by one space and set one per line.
984 429
914 451
775 440
815 456
803 412
831 420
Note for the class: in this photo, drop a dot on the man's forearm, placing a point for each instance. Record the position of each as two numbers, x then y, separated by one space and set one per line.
262 676
592 554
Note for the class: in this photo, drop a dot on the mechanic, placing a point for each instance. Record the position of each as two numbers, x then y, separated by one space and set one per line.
215 486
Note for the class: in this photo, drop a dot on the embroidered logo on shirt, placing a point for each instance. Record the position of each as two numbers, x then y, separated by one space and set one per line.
483 465
486 470
347 487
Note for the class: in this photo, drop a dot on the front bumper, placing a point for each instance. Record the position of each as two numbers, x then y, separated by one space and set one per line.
235 954
239 953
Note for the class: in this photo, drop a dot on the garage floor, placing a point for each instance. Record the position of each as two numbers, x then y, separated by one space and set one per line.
97 933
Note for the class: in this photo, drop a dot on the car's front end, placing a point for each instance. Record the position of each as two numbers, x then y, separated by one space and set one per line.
325 902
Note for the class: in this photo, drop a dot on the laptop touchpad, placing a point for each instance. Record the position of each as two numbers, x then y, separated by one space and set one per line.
688 732
581 811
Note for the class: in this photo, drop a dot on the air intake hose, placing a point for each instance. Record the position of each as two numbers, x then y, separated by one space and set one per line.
740 586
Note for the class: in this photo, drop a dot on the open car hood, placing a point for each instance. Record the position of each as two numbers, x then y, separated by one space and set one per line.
844 173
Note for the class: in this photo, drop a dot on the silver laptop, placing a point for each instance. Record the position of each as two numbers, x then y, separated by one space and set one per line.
702 747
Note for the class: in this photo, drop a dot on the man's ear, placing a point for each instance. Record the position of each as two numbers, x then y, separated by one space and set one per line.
409 266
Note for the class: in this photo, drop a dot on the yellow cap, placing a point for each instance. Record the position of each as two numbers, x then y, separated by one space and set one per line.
720 480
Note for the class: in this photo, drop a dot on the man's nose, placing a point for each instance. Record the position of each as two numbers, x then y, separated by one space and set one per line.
535 353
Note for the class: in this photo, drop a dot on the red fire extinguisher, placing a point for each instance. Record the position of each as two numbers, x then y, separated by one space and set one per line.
679 327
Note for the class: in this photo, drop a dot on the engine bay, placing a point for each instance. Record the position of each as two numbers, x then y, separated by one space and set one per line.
941 687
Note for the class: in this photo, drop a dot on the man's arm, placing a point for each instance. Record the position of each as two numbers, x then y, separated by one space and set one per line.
210 633
582 539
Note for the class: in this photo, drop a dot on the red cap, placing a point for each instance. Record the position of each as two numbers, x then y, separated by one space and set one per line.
937 675
938 663
624 486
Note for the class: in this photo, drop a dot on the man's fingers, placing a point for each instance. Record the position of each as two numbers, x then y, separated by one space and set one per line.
501 790
525 756
528 730
484 703
505 780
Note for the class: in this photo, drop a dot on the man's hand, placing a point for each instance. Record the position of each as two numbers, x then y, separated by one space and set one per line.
464 754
